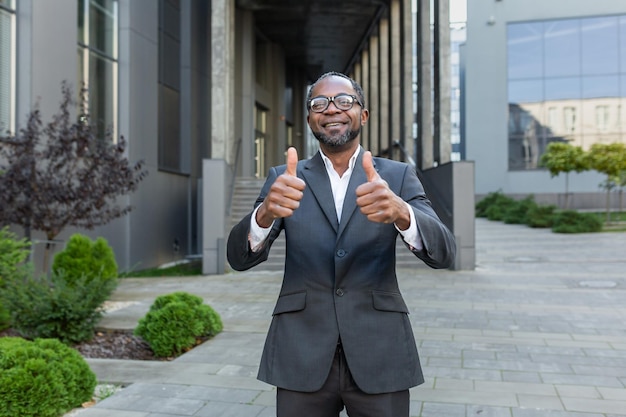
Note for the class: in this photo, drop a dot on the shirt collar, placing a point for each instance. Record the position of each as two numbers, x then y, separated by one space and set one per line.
351 163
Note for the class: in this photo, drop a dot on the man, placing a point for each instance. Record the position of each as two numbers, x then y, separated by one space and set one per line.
340 333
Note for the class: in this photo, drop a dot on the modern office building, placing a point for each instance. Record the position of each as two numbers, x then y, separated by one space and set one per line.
536 72
211 91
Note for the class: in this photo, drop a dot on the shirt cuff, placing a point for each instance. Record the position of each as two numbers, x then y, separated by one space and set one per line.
411 235
258 234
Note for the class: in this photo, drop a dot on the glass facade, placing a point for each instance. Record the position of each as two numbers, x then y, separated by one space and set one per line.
97 60
7 72
566 82
169 86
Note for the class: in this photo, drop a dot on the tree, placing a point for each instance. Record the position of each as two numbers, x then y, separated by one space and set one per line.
564 157
62 174
608 159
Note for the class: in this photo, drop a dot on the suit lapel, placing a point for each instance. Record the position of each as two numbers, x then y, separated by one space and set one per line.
357 178
317 181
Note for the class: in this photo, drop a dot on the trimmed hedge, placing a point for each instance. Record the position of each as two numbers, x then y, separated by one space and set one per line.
42 378
175 322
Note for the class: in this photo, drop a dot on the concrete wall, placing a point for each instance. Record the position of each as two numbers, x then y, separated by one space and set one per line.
486 102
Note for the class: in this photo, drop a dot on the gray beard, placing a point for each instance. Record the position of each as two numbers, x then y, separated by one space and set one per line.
336 141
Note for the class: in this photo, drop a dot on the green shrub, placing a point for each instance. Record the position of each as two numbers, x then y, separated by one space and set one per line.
43 378
175 322
84 257
541 216
494 206
13 252
52 307
517 213
571 221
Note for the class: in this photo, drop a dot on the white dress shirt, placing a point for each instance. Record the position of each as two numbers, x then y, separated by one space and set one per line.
339 186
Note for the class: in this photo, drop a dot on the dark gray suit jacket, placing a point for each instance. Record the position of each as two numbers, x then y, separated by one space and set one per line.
340 284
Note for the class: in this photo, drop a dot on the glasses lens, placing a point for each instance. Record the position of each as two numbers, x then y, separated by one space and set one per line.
343 102
319 104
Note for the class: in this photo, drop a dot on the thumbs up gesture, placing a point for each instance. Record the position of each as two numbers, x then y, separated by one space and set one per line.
284 195
377 201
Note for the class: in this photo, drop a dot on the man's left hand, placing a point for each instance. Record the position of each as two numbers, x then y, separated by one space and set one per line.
377 201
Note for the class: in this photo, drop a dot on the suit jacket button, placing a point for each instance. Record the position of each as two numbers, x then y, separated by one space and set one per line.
339 292
341 253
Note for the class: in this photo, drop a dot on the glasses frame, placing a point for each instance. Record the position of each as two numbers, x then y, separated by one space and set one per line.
332 100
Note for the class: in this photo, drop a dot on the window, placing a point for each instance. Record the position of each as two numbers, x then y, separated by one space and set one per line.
97 61
602 118
565 77
169 87
7 64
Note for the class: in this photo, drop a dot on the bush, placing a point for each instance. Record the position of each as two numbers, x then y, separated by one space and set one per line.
517 213
55 307
540 216
13 252
43 378
84 257
570 221
175 322
494 206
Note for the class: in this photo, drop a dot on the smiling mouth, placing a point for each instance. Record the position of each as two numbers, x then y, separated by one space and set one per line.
333 124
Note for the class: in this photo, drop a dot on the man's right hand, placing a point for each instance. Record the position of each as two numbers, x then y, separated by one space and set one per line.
284 195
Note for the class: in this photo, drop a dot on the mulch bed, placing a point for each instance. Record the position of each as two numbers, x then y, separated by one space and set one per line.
110 345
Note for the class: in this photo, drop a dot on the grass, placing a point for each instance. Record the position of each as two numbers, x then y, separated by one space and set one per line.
186 269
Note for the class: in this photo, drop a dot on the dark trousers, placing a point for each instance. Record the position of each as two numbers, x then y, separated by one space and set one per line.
338 391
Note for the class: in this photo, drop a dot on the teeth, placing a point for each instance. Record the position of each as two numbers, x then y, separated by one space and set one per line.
332 124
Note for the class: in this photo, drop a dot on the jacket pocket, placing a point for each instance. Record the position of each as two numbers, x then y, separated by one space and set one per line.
290 302
389 301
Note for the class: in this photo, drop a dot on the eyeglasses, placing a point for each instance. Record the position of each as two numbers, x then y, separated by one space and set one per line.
341 101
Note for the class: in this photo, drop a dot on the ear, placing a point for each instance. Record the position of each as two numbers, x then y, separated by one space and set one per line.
365 115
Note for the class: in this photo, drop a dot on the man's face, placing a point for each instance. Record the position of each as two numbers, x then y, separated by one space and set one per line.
334 127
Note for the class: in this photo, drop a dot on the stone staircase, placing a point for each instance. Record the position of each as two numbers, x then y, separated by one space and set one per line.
245 193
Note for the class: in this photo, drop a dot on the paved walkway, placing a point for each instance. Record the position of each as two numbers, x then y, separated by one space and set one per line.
537 330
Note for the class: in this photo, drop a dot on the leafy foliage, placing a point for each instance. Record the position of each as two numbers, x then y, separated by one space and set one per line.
175 321
13 252
608 159
571 221
541 216
518 213
62 174
56 307
84 257
564 157
498 205
43 378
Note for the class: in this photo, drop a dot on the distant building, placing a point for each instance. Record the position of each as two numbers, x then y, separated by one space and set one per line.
540 71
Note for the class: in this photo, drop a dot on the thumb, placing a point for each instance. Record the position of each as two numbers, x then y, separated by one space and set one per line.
292 161
368 166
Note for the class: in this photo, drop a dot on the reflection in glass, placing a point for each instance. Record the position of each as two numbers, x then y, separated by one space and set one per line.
573 92
603 86
562 88
525 50
599 45
525 91
562 45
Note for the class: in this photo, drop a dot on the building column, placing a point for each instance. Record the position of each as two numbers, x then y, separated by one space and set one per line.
442 134
374 101
424 147
395 73
406 74
222 80
365 83
385 95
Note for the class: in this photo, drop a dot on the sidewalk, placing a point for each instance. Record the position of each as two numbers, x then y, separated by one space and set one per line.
537 330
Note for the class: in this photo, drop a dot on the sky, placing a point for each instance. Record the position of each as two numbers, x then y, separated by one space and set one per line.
458 10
